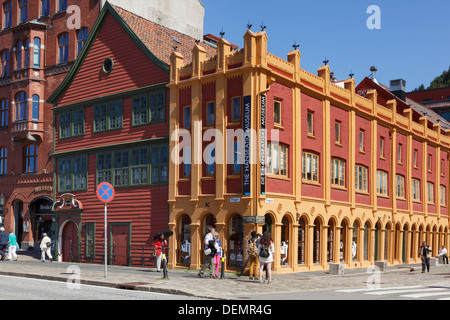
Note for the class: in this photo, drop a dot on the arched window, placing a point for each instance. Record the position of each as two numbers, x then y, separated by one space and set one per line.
26 46
330 241
5 63
21 106
366 241
23 11
184 236
285 235
343 242
301 240
35 109
355 241
4 106
63 45
30 158
19 55
37 52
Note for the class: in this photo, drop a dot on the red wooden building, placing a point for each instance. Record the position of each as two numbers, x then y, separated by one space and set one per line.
110 120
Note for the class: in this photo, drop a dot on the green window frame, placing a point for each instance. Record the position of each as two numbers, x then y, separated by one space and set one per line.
149 108
72 173
108 116
90 240
71 123
146 165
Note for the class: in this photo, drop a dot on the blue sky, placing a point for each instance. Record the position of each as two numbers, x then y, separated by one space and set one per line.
413 42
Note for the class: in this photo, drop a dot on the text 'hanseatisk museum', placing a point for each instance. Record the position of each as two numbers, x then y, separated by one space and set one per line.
350 178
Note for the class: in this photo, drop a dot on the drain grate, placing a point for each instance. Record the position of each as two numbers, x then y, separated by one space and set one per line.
131 285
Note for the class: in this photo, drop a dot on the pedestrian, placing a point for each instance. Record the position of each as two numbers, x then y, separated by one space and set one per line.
424 253
159 244
218 254
46 246
443 254
3 243
266 250
210 251
252 251
12 245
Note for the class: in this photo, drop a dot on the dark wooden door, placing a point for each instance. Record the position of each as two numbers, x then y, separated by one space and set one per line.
70 242
120 244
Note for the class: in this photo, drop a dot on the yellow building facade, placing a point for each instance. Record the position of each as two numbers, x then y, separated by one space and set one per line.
333 170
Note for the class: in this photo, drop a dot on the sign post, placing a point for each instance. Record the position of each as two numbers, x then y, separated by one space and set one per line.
105 193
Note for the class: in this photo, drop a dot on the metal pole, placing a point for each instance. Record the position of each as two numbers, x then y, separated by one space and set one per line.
106 243
165 275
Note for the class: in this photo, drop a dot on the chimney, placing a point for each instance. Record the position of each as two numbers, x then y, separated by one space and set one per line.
374 70
398 88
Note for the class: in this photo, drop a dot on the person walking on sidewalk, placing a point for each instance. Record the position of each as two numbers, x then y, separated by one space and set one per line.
266 250
12 245
3 243
252 251
218 254
210 251
46 246
425 254
159 244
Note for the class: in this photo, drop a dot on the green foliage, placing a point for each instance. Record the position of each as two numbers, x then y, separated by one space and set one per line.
443 81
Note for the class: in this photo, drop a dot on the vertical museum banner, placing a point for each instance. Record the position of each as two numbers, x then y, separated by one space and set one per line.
262 145
247 135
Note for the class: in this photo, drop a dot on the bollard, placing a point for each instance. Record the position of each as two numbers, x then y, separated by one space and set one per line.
222 268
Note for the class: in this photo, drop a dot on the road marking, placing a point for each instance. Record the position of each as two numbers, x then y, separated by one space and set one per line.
405 290
424 295
379 289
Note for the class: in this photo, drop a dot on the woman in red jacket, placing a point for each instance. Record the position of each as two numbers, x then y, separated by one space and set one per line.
158 244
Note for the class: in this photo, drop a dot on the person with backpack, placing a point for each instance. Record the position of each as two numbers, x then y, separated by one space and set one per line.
252 251
266 250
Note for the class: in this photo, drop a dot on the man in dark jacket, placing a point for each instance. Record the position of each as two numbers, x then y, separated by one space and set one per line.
3 242
424 253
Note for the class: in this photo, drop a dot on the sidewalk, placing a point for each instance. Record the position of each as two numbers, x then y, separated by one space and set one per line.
186 282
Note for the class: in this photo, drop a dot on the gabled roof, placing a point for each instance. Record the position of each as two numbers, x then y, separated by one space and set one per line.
156 41
384 94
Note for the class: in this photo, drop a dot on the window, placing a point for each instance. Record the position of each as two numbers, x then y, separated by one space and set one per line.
37 52
310 122
236 109
429 162
442 167
3 161
26 53
45 7
62 5
187 162
361 140
19 55
7 14
382 183
140 110
71 123
21 106
382 147
277 112
310 167
108 116
30 159
237 158
415 188
63 45
337 132
5 63
72 174
82 36
443 195
35 108
277 159
210 106
23 11
123 168
399 153
157 106
4 106
415 158
400 186
337 173
187 117
430 192
210 160
361 184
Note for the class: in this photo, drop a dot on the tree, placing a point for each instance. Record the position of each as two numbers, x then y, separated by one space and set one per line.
442 81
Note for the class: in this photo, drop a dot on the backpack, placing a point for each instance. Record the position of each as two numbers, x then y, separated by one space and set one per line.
264 251
252 249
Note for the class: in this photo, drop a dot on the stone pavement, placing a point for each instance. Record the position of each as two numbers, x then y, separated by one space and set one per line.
186 282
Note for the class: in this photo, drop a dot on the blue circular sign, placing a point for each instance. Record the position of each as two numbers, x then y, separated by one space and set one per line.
105 192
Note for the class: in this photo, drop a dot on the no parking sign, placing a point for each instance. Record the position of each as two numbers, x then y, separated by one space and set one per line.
106 193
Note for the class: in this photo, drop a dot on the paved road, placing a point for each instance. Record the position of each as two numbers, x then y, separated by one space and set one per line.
19 288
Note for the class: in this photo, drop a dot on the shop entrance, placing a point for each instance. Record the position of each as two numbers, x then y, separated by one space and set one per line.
42 219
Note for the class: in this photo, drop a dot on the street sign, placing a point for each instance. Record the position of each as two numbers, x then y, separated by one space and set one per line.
105 192
253 219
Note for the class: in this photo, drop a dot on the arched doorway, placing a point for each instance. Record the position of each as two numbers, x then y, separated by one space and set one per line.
330 240
235 241
301 241
209 221
18 221
316 241
69 242
184 240
343 241
267 227
42 218
285 237
355 241
377 241
367 244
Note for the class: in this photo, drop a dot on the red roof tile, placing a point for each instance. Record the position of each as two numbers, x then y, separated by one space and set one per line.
161 40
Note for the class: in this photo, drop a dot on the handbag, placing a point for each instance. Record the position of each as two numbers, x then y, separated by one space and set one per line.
48 244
